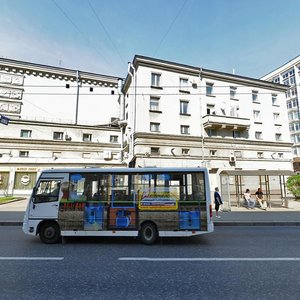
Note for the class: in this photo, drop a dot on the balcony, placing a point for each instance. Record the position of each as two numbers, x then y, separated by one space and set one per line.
225 122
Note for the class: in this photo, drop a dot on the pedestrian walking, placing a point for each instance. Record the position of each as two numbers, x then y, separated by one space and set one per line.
218 201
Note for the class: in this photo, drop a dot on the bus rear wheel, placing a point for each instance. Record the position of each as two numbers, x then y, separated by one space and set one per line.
148 233
50 233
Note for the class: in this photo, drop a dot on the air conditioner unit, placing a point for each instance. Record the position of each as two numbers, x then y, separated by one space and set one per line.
231 159
68 138
107 155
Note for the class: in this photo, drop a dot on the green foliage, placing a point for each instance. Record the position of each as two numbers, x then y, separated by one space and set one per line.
6 199
293 185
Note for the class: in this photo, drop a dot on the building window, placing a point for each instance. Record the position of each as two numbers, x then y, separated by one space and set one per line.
183 84
185 151
211 132
255 96
289 77
212 152
210 109
278 136
209 88
184 107
154 103
154 127
292 92
87 137
25 133
154 150
155 79
276 116
113 139
258 135
274 99
185 129
232 92
260 155
58 135
292 103
236 134
24 154
256 115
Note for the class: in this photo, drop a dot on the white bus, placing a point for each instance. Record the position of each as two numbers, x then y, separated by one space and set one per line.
144 202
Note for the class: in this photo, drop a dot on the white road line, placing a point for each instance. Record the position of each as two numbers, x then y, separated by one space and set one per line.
30 258
209 258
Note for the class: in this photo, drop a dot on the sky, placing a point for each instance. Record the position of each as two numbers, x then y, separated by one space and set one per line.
251 37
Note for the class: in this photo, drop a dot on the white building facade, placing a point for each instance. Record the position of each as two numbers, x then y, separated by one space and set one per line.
164 114
57 118
289 74
183 116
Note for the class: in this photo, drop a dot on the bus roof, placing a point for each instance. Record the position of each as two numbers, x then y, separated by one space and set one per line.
123 170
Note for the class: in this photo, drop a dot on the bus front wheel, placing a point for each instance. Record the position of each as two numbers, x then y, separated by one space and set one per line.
148 233
50 233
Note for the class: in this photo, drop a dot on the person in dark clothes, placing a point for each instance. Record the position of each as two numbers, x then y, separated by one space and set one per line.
218 201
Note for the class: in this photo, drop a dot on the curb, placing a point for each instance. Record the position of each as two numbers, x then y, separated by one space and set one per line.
11 201
257 223
11 223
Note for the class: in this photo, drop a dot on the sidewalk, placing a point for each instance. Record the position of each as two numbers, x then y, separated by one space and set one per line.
275 216
11 214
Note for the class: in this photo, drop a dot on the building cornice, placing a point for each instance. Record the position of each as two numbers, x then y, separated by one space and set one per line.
202 73
208 140
106 127
282 68
34 69
62 143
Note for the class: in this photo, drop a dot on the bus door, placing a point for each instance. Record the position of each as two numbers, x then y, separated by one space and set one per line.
46 195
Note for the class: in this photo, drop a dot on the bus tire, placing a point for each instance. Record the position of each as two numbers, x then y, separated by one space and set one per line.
148 233
50 233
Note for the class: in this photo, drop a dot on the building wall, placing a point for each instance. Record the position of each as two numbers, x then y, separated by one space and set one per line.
44 130
222 128
289 74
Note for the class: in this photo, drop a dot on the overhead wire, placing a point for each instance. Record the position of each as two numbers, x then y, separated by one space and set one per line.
170 27
78 29
105 30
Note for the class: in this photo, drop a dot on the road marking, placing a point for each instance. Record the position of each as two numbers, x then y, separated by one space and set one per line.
209 258
30 258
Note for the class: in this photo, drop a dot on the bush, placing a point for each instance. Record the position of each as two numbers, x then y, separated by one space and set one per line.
293 185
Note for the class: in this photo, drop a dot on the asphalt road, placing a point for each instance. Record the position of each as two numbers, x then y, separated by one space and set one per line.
231 263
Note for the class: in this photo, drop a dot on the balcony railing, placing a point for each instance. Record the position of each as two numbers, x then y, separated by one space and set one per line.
225 122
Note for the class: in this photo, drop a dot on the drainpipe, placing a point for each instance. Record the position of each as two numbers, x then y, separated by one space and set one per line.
121 115
201 120
77 97
133 76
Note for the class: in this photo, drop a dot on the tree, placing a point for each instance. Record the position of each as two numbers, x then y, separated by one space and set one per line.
293 185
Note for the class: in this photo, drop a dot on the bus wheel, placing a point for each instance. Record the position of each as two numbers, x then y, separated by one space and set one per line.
50 233
148 233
